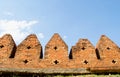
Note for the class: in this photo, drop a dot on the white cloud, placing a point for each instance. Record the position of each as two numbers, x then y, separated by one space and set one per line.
8 13
64 37
41 35
18 29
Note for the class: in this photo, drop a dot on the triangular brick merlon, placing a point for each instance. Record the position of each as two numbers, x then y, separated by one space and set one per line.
30 48
107 52
29 55
56 40
7 46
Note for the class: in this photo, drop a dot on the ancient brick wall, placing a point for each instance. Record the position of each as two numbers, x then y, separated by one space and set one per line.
28 52
56 52
83 54
82 58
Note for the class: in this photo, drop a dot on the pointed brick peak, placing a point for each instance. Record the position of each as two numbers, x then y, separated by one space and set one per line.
31 40
84 43
56 40
7 46
8 38
106 43
56 36
8 35
104 38
29 48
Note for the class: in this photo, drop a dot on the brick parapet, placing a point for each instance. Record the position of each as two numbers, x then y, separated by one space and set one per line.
29 55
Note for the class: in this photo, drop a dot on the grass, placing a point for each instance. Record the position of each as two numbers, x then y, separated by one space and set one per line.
116 75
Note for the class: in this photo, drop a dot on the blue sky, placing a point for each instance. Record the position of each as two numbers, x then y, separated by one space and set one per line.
72 19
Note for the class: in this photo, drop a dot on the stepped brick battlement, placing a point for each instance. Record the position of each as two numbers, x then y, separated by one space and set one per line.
83 57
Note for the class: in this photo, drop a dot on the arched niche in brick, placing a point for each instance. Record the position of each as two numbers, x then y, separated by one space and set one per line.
7 47
83 53
56 50
109 53
29 50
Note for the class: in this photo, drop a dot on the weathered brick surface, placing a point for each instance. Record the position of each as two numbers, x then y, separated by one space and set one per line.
7 50
109 54
83 57
83 54
28 52
56 51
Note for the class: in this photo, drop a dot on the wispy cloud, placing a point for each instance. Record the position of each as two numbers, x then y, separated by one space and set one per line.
41 35
64 37
8 13
18 29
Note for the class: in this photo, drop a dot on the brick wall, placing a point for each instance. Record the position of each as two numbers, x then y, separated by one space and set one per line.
29 55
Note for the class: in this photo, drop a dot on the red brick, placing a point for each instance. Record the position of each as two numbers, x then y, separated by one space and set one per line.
109 53
83 54
28 52
56 51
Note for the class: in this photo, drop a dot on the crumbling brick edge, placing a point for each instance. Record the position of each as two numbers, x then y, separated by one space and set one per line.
83 58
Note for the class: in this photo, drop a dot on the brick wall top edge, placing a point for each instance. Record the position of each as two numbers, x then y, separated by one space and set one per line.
8 38
103 37
29 39
84 41
56 37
